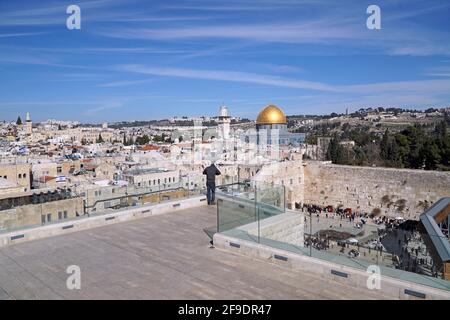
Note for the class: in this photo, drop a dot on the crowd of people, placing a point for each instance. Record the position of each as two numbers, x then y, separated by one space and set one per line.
411 253
350 215
334 213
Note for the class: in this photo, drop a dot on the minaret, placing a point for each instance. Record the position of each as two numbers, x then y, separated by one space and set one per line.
28 125
224 123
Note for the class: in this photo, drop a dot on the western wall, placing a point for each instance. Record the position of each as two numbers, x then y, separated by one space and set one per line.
384 191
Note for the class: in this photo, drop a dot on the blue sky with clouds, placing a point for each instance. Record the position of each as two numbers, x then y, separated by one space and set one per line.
135 60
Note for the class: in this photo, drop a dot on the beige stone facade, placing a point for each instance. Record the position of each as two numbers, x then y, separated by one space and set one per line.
42 213
152 178
105 171
17 174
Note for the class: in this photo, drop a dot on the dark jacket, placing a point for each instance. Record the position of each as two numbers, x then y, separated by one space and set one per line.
211 173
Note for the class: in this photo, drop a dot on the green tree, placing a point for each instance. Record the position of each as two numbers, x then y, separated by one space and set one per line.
384 146
443 144
332 149
143 140
335 151
19 121
416 140
430 153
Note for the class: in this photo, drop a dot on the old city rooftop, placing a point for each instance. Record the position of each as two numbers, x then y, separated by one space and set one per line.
160 257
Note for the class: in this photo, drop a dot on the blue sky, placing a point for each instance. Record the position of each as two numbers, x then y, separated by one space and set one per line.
141 60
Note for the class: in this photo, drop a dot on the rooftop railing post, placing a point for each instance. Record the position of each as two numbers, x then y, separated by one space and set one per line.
259 226
217 216
310 234
238 174
256 208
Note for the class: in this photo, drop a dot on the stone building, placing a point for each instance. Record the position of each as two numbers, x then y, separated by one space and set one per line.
29 208
152 177
19 174
7 187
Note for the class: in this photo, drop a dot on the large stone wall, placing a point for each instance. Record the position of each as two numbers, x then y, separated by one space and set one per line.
394 192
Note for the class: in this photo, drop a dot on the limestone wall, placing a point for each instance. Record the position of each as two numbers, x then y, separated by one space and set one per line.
30 215
395 192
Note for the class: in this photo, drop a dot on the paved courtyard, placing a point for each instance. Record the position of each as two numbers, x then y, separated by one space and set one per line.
160 257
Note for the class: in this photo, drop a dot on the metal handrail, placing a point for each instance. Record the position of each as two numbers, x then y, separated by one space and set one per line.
126 196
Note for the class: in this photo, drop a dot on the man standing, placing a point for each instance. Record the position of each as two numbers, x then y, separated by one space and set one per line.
211 173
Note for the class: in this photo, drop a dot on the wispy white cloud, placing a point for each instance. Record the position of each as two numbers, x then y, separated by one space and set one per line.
73 77
95 50
415 49
44 15
234 76
425 86
438 72
123 83
108 106
332 26
21 34
287 33
246 5
282 68
27 59
413 86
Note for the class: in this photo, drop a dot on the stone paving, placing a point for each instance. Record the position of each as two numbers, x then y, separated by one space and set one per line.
161 257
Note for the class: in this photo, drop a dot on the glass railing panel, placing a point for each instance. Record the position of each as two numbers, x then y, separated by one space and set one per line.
400 249
235 212
243 190
243 209
270 194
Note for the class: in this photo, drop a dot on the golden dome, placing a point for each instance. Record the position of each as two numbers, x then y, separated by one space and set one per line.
271 115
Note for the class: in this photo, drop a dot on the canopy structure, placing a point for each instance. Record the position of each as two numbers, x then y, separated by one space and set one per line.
437 241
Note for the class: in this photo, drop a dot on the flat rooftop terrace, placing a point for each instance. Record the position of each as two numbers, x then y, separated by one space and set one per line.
160 257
